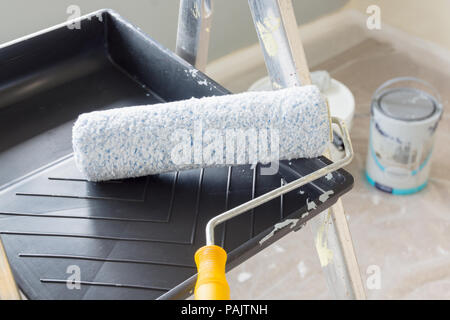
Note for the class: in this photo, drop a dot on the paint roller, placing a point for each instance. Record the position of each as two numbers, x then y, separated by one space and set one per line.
216 131
144 140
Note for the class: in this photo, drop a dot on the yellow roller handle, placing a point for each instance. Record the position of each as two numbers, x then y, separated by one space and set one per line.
211 281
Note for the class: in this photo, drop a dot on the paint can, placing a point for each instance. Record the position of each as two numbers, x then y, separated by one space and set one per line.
405 113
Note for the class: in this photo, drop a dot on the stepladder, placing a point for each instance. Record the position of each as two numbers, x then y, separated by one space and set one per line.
286 64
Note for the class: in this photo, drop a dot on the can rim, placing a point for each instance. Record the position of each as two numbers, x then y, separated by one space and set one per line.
386 88
429 97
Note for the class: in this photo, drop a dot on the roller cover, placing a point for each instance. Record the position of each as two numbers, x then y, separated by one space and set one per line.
213 131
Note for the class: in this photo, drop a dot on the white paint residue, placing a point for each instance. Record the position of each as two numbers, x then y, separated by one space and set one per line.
203 82
276 85
329 176
325 254
193 72
195 11
302 269
301 191
279 226
311 204
278 248
265 29
244 276
324 196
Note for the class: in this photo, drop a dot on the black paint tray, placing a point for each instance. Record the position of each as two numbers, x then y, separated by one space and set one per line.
129 239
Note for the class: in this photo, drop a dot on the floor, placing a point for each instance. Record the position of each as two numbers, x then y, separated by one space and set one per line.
405 238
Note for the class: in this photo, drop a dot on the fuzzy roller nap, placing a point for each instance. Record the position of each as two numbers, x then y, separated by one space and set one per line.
213 131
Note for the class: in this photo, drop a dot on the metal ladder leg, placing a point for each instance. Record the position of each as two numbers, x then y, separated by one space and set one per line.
194 21
285 60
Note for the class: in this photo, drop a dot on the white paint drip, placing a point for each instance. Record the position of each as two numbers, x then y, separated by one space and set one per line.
203 82
244 276
329 176
324 197
279 226
311 204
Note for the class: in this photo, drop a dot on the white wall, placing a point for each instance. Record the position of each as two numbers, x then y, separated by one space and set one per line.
232 24
428 20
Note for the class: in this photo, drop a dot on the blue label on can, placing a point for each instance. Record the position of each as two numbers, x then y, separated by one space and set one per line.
387 189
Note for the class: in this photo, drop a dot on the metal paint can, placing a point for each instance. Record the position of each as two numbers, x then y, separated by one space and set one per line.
405 113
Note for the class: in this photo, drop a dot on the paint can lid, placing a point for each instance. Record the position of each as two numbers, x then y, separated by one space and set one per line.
407 104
